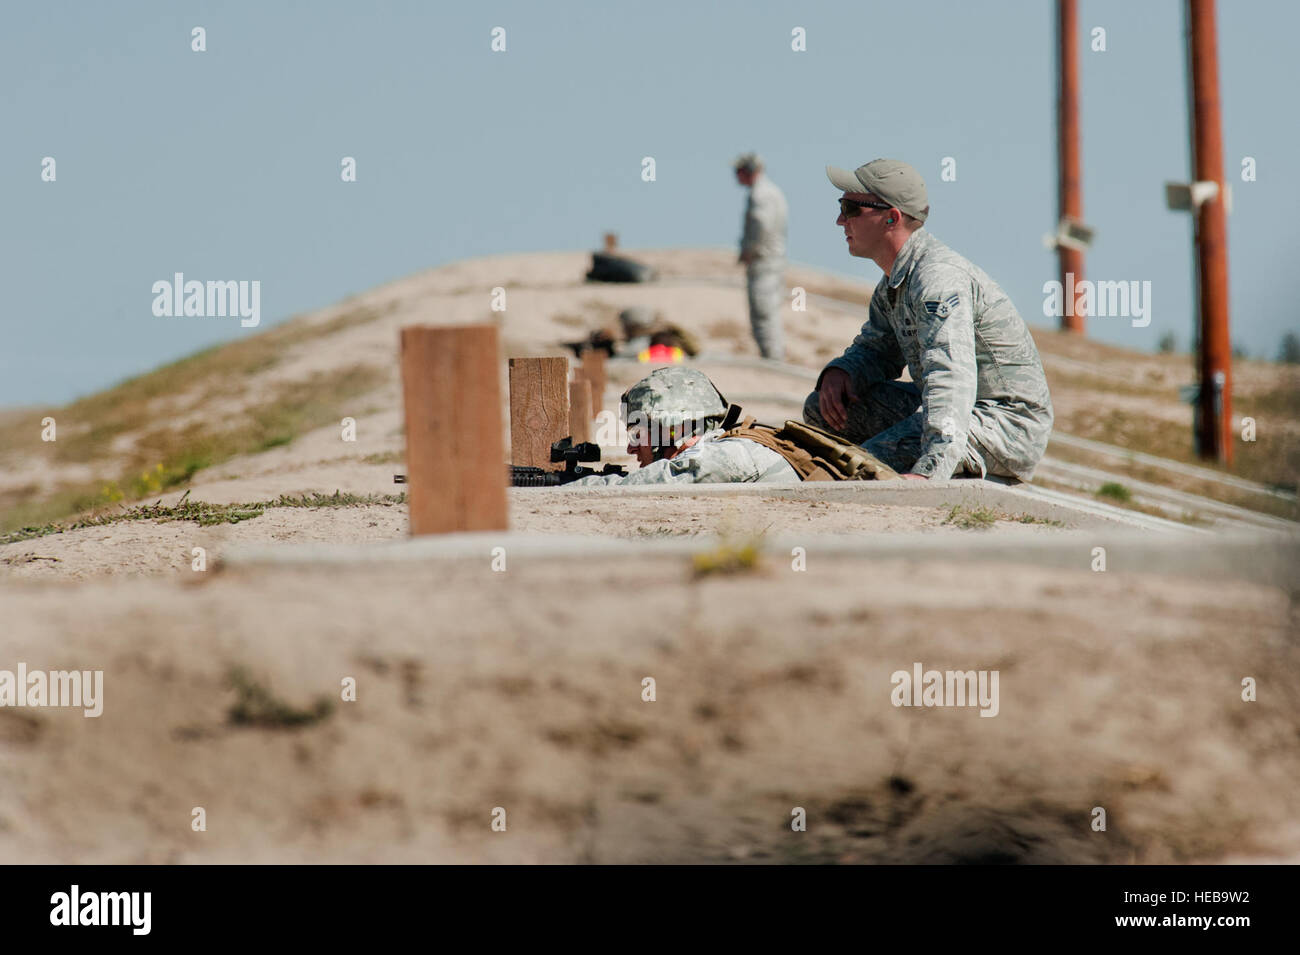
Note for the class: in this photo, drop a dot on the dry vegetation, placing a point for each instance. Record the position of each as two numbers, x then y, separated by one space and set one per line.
1158 423
126 435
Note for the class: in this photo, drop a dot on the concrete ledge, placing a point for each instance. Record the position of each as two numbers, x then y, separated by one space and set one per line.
1267 560
1166 464
1100 512
1158 495
969 492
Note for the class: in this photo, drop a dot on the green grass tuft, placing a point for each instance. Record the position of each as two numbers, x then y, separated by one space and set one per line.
257 706
1030 519
727 558
1115 491
978 518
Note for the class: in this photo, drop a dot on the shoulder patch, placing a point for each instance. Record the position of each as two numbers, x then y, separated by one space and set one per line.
942 308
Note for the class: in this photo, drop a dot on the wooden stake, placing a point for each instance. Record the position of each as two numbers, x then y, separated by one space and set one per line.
593 369
539 409
455 450
580 410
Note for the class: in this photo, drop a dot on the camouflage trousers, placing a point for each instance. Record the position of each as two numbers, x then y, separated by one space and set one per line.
766 281
886 420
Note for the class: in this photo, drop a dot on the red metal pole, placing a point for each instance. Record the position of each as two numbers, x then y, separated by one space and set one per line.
1215 411
1070 182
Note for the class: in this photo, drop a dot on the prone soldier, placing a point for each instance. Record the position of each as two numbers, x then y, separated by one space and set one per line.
682 431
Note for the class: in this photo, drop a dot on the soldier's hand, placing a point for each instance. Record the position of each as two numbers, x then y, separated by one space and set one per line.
834 398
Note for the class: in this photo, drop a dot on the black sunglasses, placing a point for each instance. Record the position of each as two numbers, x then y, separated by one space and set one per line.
852 207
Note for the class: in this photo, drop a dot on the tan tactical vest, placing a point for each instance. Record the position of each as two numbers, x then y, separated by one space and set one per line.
816 455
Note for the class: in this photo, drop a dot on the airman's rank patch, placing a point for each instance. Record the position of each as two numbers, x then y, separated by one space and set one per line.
942 309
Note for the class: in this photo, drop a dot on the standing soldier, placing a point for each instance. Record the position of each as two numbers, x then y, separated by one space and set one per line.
762 250
978 401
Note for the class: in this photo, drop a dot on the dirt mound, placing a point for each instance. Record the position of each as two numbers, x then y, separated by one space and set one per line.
524 690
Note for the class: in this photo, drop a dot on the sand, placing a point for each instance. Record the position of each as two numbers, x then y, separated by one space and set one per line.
522 688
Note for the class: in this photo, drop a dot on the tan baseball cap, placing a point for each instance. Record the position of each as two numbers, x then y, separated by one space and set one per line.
891 179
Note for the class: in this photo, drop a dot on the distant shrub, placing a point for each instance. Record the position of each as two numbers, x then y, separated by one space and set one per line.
1115 491
1289 351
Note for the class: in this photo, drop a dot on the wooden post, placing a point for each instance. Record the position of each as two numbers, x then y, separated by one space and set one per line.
1068 159
593 369
539 409
580 410
1214 417
455 451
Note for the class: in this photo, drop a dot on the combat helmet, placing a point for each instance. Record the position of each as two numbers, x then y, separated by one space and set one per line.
674 403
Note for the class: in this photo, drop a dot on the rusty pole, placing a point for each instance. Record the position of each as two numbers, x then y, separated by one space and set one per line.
1068 150
1214 414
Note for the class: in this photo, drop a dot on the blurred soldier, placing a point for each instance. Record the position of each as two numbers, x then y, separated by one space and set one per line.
642 334
762 250
978 402
682 431
646 333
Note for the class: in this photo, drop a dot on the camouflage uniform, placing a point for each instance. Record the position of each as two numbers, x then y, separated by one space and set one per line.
980 405
764 239
688 401
710 460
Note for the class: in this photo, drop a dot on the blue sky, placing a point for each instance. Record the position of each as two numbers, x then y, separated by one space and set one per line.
225 164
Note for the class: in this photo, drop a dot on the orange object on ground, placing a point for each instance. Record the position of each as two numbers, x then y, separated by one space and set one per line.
661 354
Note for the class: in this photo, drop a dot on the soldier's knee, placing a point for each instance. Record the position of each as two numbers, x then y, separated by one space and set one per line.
812 410
898 456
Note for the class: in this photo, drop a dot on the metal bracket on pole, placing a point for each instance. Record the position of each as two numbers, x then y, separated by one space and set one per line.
1190 196
1070 234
